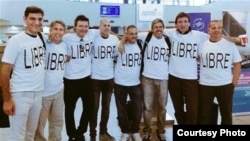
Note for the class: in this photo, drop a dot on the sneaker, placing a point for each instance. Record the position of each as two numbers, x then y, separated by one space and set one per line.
161 137
124 137
106 137
136 137
147 138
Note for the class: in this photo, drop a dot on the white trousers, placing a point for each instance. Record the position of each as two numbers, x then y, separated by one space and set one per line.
24 122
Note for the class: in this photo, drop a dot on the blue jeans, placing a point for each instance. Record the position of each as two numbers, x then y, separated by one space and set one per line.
154 92
104 87
126 124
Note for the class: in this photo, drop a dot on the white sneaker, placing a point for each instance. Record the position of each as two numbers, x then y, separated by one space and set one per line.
124 137
136 137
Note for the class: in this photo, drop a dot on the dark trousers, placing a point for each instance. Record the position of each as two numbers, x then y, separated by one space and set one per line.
102 88
224 95
4 119
135 94
185 95
73 90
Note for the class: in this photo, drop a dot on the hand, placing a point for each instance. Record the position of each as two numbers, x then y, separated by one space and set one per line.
121 48
68 58
9 107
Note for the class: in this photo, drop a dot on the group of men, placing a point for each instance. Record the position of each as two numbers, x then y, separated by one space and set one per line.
175 68
46 74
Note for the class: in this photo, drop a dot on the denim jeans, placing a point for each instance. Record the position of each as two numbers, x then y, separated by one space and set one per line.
104 88
24 122
73 90
121 92
52 111
154 92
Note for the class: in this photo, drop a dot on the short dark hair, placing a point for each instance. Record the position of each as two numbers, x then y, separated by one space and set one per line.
181 15
130 26
81 18
33 9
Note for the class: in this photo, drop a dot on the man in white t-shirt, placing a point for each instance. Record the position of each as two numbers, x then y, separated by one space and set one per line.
52 101
154 79
184 68
23 60
77 81
102 78
127 83
219 72
183 76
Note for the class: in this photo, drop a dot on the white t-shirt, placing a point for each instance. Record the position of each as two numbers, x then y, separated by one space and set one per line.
103 57
27 55
216 62
80 51
156 57
184 51
54 67
128 66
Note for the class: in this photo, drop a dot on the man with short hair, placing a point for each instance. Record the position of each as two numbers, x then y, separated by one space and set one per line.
154 79
102 78
52 101
77 81
219 73
128 83
23 60
183 68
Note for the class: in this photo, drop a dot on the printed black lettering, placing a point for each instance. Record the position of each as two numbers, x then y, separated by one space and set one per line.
158 54
182 50
36 57
103 52
26 65
137 59
61 61
211 58
131 60
55 61
218 60
81 51
187 50
155 53
227 56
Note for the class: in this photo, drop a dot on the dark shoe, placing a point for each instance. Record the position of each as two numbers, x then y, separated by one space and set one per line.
106 137
147 138
72 139
80 138
161 137
92 139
